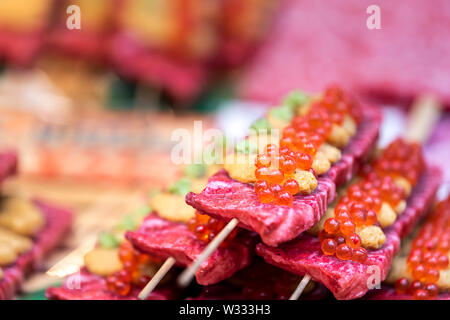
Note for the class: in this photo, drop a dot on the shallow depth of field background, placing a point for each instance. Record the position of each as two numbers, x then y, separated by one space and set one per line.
91 111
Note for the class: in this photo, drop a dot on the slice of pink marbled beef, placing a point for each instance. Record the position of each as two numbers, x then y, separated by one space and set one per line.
349 279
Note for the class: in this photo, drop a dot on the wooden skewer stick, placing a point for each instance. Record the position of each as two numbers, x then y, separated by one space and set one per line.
156 278
425 112
423 117
186 276
301 286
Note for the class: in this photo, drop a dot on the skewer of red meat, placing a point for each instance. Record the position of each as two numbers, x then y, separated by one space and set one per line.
57 223
164 239
301 256
422 272
179 244
227 199
356 151
423 118
348 279
238 203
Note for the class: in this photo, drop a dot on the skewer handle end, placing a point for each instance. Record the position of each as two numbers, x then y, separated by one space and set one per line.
425 112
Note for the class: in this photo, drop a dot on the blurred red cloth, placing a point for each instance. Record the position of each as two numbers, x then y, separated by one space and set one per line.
314 43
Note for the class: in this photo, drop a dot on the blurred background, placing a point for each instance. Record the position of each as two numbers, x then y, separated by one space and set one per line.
91 90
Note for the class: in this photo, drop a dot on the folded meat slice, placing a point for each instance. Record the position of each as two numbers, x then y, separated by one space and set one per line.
88 286
163 238
225 198
57 223
350 279
246 284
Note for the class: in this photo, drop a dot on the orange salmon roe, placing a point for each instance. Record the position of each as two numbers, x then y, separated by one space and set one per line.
359 207
299 143
428 255
206 228
132 260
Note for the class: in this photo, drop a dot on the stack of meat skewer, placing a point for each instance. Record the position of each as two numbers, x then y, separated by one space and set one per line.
420 271
318 203
29 230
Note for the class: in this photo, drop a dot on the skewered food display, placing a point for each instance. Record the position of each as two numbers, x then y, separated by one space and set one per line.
421 270
185 243
319 198
170 228
365 204
364 229
377 199
185 240
29 230
281 188
113 270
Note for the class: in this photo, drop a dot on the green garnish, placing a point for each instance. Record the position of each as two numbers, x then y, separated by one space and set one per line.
245 147
295 98
284 113
127 223
153 192
142 211
181 187
261 124
108 240
195 170
214 154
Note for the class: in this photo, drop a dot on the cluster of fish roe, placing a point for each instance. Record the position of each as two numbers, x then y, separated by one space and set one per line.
402 159
300 141
133 272
428 256
206 228
360 206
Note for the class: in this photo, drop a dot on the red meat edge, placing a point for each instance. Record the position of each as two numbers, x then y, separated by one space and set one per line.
57 224
88 286
163 239
349 279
